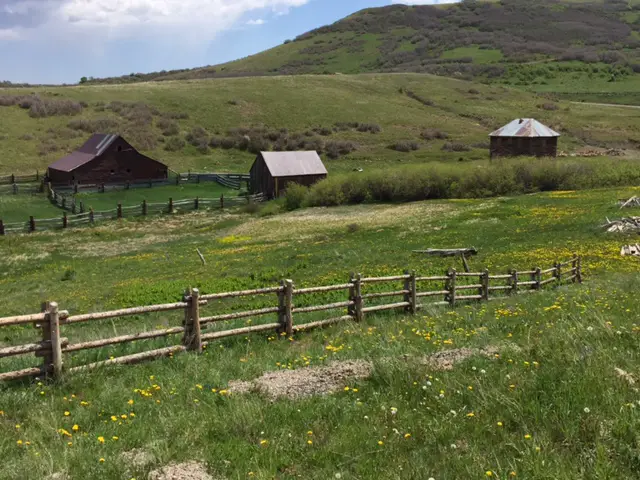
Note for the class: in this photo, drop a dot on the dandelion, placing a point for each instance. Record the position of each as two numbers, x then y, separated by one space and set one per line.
489 473
309 432
69 444
380 443
100 439
84 404
19 442
130 402
264 443
394 410
469 388
75 428
527 437
586 410
512 474
115 438
407 435
471 415
114 418
123 416
101 460
346 389
499 424
18 427
309 442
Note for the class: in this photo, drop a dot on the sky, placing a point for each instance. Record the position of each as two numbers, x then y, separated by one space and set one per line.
60 41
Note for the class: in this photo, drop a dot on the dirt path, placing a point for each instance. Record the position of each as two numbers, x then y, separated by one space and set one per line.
606 104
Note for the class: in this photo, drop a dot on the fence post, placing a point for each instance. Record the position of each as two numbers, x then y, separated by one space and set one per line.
578 268
198 178
574 268
91 216
533 279
81 207
288 307
196 203
13 178
177 179
75 187
15 189
538 278
119 214
101 189
355 296
144 207
484 280
73 206
451 286
51 335
1 227
32 224
410 295
514 282
192 335
64 202
65 221
558 273
222 201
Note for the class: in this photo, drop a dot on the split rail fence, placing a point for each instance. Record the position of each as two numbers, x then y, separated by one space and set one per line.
407 292
84 218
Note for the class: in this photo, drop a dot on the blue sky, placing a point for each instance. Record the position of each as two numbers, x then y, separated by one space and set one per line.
59 41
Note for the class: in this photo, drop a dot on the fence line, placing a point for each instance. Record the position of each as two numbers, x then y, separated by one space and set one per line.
13 179
53 347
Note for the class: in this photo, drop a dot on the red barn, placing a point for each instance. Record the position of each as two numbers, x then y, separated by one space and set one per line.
105 159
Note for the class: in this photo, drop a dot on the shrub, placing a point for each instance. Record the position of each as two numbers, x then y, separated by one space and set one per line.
215 142
258 144
353 227
203 146
548 106
324 131
26 136
473 91
295 196
336 149
405 146
174 144
233 102
98 125
455 147
228 143
433 133
197 136
369 127
251 207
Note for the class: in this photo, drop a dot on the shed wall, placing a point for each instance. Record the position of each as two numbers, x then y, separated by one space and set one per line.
263 182
524 146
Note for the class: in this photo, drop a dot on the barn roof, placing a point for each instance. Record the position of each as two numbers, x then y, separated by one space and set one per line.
92 148
524 127
291 164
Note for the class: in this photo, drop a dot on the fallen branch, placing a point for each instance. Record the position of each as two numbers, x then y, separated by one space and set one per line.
204 262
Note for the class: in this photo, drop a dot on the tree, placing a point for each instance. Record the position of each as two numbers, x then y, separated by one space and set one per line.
83 80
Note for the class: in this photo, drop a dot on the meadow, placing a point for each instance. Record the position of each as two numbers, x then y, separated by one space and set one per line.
447 119
547 403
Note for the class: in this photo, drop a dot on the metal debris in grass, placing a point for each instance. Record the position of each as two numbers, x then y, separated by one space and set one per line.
631 202
633 250
626 224
305 382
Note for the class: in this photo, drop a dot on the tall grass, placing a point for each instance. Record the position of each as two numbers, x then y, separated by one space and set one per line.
488 179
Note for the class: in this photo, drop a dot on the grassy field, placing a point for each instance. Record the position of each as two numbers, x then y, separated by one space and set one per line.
465 112
547 404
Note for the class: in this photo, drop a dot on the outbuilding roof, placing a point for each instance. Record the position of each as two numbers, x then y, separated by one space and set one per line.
291 164
524 127
92 148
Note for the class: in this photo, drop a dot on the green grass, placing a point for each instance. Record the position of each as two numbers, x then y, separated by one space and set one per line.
554 379
135 196
304 102
478 54
18 208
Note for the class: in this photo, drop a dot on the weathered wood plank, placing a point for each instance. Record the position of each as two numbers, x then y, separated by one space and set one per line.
384 279
321 323
432 294
396 293
27 372
328 288
237 315
122 339
319 308
125 312
242 293
131 359
391 306
239 331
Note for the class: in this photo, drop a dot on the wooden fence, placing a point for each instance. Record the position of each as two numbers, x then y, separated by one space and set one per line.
11 179
81 217
408 292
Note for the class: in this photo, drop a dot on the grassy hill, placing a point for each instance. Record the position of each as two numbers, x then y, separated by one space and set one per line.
355 121
584 47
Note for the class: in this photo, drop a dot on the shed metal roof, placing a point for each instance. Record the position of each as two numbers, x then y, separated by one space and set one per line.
92 148
291 164
524 127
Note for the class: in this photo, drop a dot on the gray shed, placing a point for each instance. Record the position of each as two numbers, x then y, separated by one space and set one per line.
273 171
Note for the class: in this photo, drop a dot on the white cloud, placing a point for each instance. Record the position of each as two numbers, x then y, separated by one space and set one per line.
259 21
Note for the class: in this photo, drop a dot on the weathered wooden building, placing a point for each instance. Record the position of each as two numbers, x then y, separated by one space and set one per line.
524 136
273 171
105 159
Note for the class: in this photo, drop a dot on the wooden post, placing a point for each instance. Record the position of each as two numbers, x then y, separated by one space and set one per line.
451 286
538 278
144 207
1 227
578 267
177 179
13 178
37 175
192 335
574 268
514 282
75 187
196 203
91 216
558 272
484 280
101 189
15 189
170 205
119 210
355 296
410 297
222 201
533 279
51 335
65 221
73 205
127 185
81 207
32 224
288 307
64 202
198 178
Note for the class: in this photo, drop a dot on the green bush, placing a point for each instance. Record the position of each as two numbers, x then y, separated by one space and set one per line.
295 196
508 176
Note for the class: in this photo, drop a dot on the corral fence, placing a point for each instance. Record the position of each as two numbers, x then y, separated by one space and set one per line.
81 217
407 292
17 179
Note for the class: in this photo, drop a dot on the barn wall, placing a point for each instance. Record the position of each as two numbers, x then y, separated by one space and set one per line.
261 180
58 177
305 180
515 146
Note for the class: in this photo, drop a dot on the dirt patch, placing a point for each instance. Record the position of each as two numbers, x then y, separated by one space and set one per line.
58 476
447 359
305 382
182 471
137 458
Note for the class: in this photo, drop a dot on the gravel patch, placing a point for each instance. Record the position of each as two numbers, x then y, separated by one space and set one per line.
182 471
447 359
305 382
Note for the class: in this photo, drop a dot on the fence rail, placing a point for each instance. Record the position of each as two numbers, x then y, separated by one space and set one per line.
84 218
52 347
14 179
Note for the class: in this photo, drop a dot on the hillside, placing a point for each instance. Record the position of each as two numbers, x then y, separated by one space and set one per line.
548 45
359 121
